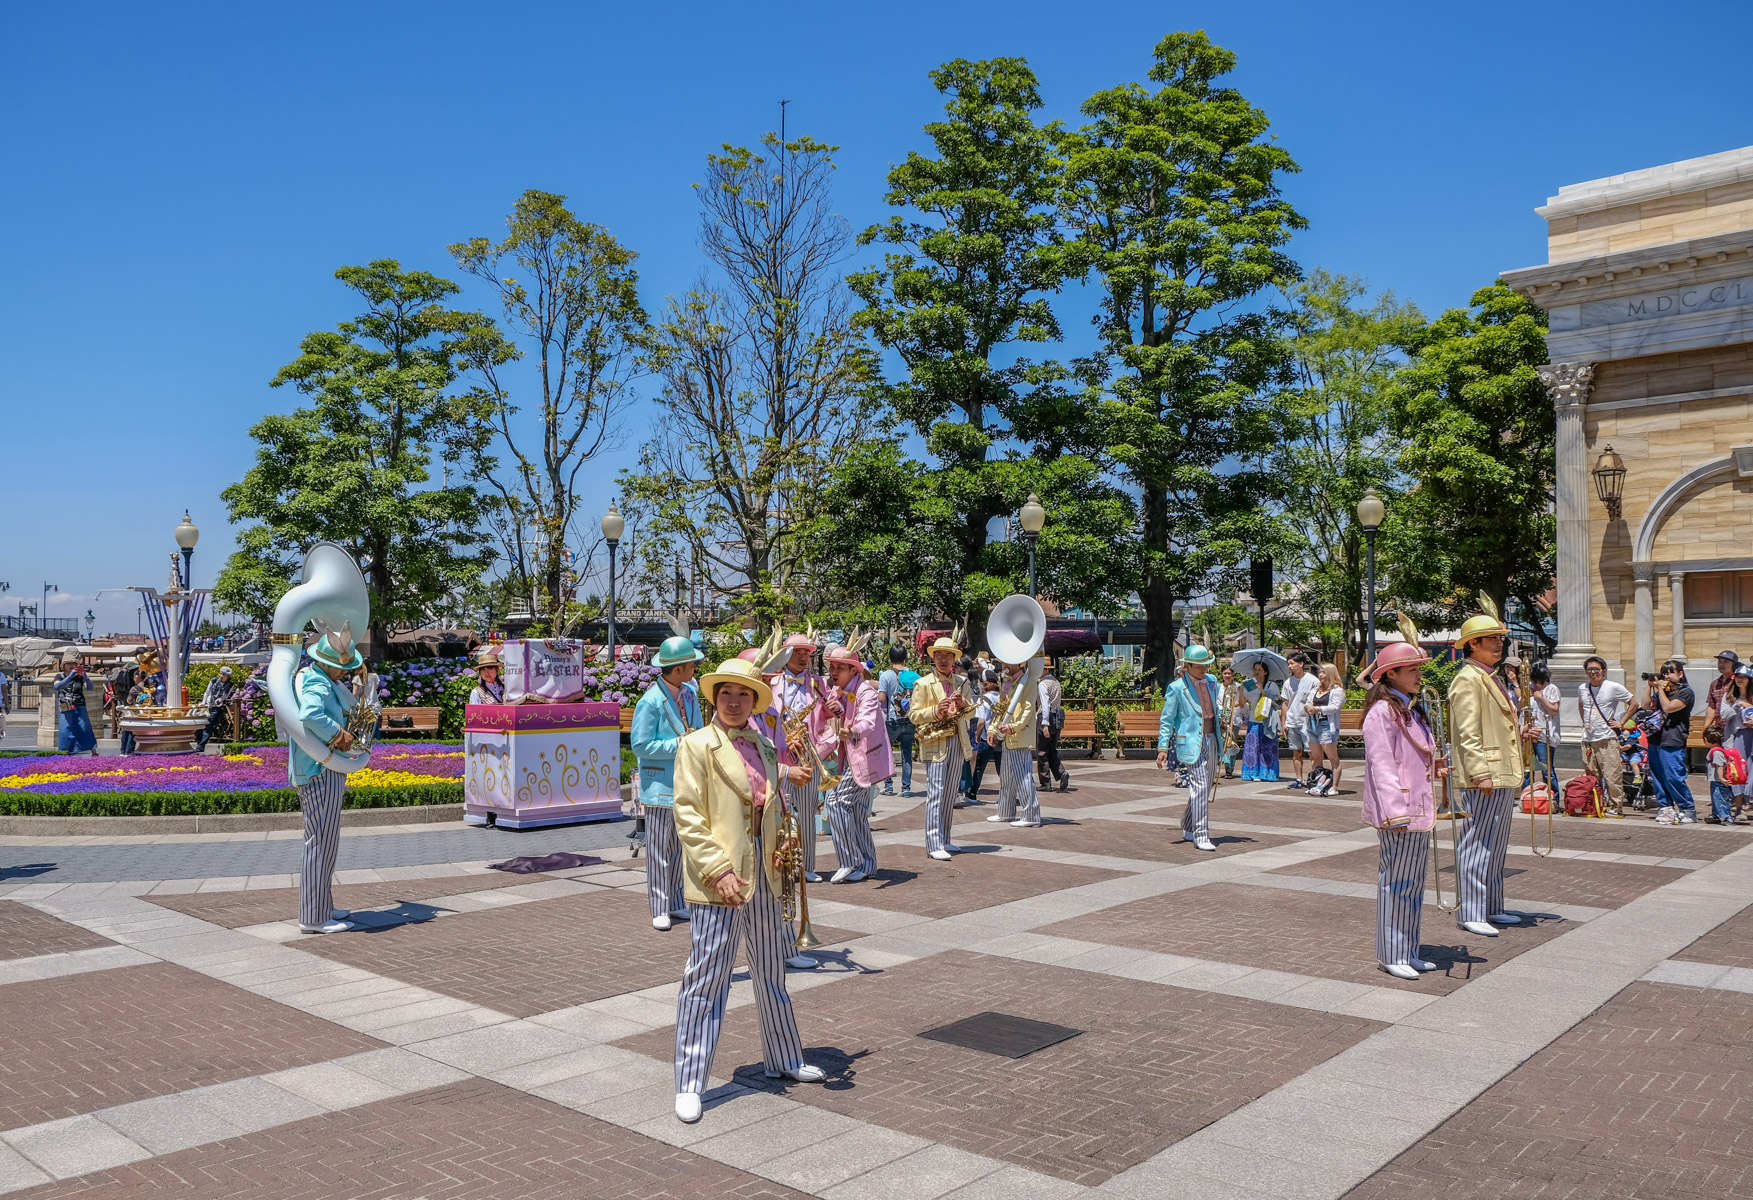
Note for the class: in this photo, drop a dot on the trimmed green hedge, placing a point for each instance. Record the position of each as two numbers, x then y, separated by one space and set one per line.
204 804
32 753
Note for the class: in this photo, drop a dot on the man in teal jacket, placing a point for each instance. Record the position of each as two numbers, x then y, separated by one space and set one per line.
323 704
668 712
1190 719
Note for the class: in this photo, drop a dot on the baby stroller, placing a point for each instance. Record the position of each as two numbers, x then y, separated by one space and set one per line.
1634 752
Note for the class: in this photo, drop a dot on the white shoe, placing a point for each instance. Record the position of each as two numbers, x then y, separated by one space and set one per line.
995 817
661 922
802 962
1422 964
1204 843
1400 970
804 1074
1686 820
687 1107
858 876
331 927
841 875
1021 823
1504 919
940 855
340 914
811 877
1479 927
952 847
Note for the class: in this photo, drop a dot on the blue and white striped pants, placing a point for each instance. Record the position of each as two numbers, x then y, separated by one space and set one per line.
803 800
1016 786
663 860
1400 894
942 779
718 930
1196 818
1483 846
849 825
321 801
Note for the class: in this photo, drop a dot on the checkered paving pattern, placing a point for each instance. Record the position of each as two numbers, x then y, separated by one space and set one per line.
1729 944
1308 933
1120 839
1526 876
908 881
84 1042
1647 1098
234 910
26 932
1154 1065
469 1141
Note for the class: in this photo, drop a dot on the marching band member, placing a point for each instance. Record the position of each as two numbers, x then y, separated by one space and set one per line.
793 689
941 695
1189 724
794 770
1398 746
1018 801
667 712
727 816
1488 760
857 739
323 704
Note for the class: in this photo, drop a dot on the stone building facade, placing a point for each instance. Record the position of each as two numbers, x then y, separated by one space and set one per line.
1648 284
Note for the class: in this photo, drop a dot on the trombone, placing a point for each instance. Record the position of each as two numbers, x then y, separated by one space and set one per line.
1439 786
1551 800
794 899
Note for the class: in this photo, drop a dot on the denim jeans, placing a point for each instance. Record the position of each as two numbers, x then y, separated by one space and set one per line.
901 738
984 754
1668 766
1722 799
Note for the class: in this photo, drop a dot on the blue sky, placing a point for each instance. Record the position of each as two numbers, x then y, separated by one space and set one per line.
182 180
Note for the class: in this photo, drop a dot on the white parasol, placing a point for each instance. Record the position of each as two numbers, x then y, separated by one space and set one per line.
1277 669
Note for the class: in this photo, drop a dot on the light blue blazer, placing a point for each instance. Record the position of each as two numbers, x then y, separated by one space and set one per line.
323 705
1183 721
657 730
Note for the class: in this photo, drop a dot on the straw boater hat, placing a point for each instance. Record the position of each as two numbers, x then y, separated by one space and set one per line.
488 656
1395 654
1484 624
736 670
844 655
943 643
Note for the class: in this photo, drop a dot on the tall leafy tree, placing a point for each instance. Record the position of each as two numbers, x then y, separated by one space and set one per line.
356 466
1479 452
1173 199
569 299
1339 414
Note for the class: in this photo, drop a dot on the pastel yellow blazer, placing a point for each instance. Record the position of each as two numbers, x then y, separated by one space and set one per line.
927 694
1487 737
713 815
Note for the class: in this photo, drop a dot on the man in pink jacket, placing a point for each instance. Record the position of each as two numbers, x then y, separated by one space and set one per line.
853 733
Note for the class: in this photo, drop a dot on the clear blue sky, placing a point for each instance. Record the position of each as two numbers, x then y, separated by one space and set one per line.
182 180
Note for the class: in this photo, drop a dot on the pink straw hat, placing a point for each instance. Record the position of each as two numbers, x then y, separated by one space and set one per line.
841 654
1395 654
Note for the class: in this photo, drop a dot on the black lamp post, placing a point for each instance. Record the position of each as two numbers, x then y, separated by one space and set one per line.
613 527
1370 511
187 535
1033 517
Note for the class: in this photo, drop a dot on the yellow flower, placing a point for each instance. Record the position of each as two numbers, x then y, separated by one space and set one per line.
372 777
21 781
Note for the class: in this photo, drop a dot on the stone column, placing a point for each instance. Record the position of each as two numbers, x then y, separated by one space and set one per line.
1677 598
1645 581
1568 386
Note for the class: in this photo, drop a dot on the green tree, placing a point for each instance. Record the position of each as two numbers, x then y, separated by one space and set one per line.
1173 199
1339 411
1479 453
569 292
355 468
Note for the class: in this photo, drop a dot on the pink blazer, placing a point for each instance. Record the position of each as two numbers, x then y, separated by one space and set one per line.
867 736
1396 770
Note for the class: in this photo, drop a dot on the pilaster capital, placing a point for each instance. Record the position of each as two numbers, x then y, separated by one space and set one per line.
1643 574
1568 384
1676 578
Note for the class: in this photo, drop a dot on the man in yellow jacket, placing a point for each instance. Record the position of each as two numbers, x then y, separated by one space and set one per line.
727 813
1487 760
941 695
1014 719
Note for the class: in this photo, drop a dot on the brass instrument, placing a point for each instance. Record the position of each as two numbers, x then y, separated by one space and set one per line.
794 889
1439 786
1551 801
367 709
797 730
942 728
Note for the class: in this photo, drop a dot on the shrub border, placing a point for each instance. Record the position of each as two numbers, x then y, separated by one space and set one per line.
202 804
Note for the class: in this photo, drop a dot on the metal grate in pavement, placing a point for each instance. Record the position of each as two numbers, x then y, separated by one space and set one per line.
1001 1034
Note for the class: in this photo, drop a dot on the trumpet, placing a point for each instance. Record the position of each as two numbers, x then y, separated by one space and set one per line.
1439 786
794 889
797 730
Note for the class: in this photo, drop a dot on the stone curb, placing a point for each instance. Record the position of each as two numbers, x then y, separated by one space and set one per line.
413 814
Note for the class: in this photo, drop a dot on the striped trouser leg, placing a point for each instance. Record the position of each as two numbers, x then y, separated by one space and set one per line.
663 860
942 778
1400 894
321 801
849 825
1017 796
1196 819
1480 854
804 800
717 931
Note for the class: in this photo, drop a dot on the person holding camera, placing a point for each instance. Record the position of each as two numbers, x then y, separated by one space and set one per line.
1603 704
1668 693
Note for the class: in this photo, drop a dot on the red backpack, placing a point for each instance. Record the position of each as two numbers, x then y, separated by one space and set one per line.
1734 769
1582 797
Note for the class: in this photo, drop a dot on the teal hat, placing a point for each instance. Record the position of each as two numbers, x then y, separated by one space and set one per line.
1198 655
325 654
676 651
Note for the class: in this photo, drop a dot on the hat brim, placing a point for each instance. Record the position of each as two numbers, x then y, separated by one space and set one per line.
848 662
1371 670
713 680
943 646
357 661
666 663
1494 631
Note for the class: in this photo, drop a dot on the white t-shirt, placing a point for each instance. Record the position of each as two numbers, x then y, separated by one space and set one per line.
1547 721
1607 703
1297 694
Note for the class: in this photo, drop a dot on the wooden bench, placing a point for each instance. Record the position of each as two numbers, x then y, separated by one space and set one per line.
1081 725
425 720
1351 722
1138 723
626 719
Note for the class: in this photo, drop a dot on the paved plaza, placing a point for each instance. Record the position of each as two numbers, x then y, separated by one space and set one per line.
501 1036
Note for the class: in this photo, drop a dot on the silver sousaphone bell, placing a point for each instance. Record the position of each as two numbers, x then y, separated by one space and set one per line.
1015 632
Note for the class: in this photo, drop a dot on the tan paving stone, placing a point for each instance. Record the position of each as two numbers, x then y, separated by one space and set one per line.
235 910
907 880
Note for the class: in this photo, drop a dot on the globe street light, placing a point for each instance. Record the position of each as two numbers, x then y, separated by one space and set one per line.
1033 518
187 535
1370 511
613 527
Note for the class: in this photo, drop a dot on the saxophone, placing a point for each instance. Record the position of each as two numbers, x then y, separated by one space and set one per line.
794 889
941 728
797 730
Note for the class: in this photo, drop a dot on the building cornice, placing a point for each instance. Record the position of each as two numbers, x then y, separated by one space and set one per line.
1652 183
1606 275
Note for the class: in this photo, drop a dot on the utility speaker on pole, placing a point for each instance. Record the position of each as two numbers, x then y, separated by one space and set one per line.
1260 580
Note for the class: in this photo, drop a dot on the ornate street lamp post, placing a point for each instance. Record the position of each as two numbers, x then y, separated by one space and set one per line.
187 535
1033 518
1370 511
1609 476
613 527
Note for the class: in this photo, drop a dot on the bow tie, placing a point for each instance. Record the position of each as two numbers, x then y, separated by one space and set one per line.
743 732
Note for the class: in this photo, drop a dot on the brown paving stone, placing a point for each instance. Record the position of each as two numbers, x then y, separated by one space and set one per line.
1154 1065
234 910
908 881
1729 944
1638 834
1251 810
1649 1097
474 1140
1309 933
26 932
1119 838
83 1042
1526 877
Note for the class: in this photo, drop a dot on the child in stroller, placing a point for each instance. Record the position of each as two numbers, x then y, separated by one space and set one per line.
1634 752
